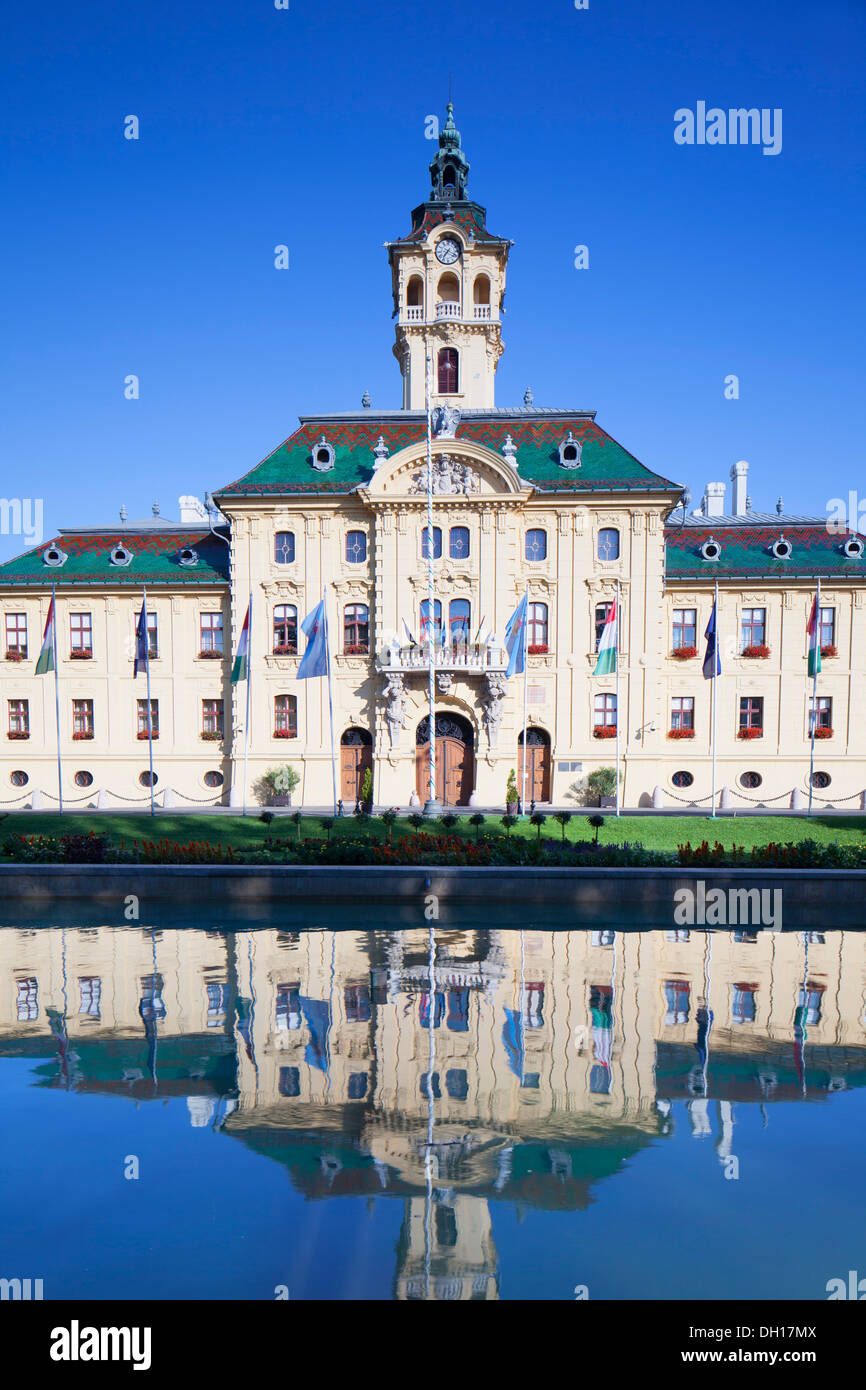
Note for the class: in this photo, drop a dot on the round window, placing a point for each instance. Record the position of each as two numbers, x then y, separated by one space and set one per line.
19 779
147 779
750 780
682 779
821 779
84 779
213 779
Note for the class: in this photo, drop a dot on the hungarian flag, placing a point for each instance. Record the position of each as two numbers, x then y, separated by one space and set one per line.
814 644
240 669
607 646
46 655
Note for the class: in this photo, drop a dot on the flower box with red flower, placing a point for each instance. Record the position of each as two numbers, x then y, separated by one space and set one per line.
13 654
823 732
750 733
18 734
81 654
684 653
284 733
537 649
210 654
211 735
829 650
142 734
604 731
289 650
81 734
681 733
759 652
356 649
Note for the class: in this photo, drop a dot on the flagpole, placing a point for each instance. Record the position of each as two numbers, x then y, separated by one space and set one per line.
432 806
715 683
57 700
525 653
616 696
330 700
149 707
817 641
247 715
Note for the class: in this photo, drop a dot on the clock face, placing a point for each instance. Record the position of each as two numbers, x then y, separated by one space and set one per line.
447 250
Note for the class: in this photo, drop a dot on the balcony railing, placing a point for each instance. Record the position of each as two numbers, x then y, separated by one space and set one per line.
457 656
481 311
415 313
448 310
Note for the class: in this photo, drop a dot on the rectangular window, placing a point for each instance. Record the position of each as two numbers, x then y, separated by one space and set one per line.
820 713
357 1001
677 1002
19 717
285 629
602 613
605 711
826 630
152 637
142 718
285 716
28 995
212 717
752 713
685 628
151 1005
753 627
682 712
16 634
288 1008
217 998
82 718
211 639
90 987
80 633
356 629
743 1003
536 627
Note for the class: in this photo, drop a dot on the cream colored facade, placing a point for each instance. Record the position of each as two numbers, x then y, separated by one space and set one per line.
528 501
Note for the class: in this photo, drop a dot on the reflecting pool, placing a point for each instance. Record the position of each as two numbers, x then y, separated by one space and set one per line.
435 1112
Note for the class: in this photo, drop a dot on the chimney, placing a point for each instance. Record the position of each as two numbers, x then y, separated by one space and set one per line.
739 478
192 511
713 503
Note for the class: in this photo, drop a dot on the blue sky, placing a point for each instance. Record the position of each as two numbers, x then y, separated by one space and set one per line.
306 127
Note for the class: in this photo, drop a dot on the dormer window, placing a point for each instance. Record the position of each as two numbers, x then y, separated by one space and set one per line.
711 550
54 556
120 556
782 549
569 452
188 556
853 548
323 455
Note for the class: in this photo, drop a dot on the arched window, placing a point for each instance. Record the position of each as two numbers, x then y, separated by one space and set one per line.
285 629
458 621
285 716
415 297
356 629
425 620
458 542
356 547
535 544
481 297
536 628
437 542
284 547
608 543
448 375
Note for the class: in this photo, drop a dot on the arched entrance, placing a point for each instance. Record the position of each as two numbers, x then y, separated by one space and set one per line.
356 755
537 765
454 759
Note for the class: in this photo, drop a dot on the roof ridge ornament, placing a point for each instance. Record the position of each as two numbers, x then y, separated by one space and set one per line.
380 452
509 451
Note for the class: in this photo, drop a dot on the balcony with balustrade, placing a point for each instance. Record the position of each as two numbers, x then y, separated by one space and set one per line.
450 311
458 658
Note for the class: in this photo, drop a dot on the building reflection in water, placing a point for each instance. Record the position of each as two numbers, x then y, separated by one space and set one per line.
448 1069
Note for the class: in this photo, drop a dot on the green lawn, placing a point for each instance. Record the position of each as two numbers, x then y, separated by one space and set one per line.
654 832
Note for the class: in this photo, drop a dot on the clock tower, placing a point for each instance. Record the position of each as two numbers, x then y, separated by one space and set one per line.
448 280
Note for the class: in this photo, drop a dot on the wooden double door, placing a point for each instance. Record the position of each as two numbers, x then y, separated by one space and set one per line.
356 756
537 766
454 760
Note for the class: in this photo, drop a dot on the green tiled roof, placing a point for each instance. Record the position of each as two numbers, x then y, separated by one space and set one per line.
605 465
747 551
156 560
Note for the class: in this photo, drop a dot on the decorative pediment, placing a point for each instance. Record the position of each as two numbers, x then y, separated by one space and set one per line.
462 469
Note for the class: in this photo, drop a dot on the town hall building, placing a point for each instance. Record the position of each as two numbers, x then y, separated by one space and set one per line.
526 500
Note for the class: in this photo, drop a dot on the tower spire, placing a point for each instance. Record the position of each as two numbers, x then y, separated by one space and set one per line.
449 168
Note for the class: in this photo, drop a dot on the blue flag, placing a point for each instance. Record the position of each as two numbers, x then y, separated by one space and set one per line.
712 660
515 639
317 1016
315 629
141 646
512 1037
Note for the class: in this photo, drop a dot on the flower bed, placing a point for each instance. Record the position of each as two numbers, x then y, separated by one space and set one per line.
144 735
81 654
684 653
285 651
356 649
604 731
285 733
211 735
750 733
537 649
756 653
681 733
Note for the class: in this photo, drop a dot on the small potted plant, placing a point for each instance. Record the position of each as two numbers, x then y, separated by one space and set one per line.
604 731
81 654
15 654
601 784
749 731
829 650
823 732
537 649
684 653
280 782
366 797
211 654
356 649
681 732
511 796
758 652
